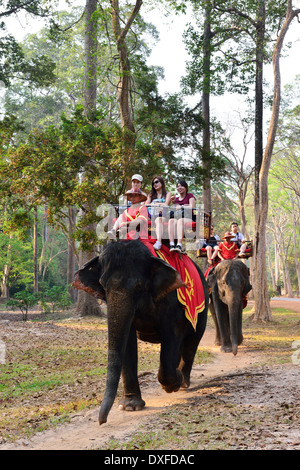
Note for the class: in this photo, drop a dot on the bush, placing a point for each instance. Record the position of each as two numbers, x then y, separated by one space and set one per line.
23 301
55 299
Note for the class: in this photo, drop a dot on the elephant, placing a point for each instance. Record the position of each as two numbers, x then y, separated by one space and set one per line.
229 284
140 292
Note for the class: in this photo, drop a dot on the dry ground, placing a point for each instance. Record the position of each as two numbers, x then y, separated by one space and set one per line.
244 402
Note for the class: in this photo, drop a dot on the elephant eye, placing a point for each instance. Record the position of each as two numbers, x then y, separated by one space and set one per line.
138 284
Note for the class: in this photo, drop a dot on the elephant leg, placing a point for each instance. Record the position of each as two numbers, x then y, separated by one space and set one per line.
187 359
169 376
214 317
222 315
132 399
226 345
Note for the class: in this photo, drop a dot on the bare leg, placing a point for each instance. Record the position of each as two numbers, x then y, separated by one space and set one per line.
159 223
171 229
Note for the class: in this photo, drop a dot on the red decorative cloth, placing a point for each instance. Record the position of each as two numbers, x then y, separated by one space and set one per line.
192 296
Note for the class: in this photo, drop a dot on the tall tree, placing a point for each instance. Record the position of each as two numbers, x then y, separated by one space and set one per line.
87 305
90 57
207 36
262 304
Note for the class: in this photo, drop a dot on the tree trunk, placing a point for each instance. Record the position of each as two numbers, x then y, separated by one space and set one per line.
124 85
6 272
206 106
35 252
271 268
90 58
295 243
86 304
71 256
262 303
258 149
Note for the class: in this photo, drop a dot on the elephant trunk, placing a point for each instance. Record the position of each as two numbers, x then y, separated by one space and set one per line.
112 381
119 319
235 318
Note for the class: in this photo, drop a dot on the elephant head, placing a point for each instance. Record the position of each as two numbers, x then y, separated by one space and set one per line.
229 284
130 279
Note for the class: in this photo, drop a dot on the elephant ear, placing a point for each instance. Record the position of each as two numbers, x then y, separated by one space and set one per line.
87 278
165 279
211 278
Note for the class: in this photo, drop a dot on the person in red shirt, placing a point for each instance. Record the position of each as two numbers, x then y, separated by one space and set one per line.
227 248
135 216
184 204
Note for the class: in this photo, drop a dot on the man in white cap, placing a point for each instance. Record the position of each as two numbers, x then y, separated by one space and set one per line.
136 183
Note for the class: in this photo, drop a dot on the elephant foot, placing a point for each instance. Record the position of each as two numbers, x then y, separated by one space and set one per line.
185 384
131 404
172 386
226 348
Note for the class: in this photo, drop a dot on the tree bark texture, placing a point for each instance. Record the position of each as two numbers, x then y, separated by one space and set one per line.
258 150
71 254
206 106
90 56
87 305
35 252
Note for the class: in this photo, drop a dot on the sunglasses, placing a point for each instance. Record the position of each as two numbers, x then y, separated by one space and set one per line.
156 182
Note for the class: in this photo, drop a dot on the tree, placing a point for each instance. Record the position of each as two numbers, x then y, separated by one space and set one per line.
237 173
262 304
284 178
86 304
90 58
23 301
39 69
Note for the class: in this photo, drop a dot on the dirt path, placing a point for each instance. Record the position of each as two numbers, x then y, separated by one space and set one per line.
83 432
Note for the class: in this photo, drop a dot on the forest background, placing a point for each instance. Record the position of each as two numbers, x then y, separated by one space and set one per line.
82 110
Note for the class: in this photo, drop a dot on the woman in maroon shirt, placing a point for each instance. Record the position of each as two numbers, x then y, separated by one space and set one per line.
183 205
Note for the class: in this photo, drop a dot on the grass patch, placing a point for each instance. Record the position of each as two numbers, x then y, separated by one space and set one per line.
274 339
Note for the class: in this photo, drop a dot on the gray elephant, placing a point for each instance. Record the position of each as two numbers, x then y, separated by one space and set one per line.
140 292
229 284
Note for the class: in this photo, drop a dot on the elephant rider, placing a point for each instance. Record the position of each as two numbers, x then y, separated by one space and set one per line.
212 246
238 237
134 217
136 183
228 249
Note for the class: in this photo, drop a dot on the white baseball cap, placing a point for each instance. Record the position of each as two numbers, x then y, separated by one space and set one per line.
137 177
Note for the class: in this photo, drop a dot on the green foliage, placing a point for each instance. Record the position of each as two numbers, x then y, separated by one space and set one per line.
233 44
14 65
51 300
54 299
23 301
